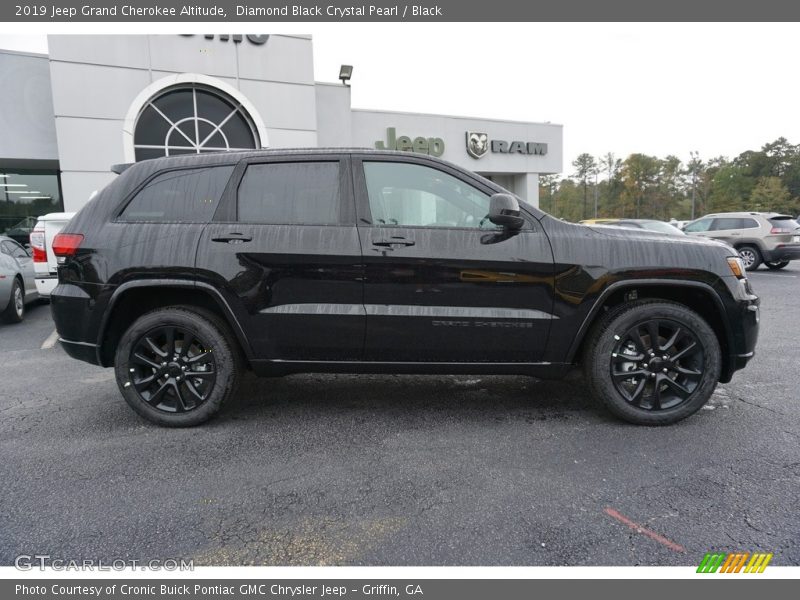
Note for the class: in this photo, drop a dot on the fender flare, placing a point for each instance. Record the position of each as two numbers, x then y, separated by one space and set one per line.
213 292
633 283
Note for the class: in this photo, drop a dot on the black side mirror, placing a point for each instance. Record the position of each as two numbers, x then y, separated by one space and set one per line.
504 211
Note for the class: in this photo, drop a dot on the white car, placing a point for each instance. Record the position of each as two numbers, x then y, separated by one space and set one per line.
44 261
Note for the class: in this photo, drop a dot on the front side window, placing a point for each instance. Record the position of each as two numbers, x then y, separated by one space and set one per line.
301 193
183 196
698 226
404 194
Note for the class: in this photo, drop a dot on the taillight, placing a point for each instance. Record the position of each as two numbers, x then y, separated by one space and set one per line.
37 245
67 244
780 230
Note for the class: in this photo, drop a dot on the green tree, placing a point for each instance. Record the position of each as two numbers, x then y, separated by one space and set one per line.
639 173
769 194
585 166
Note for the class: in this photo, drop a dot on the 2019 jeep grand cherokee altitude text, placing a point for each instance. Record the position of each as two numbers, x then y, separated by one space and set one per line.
185 271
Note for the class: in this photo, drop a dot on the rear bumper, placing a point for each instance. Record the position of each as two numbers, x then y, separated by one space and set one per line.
76 313
783 252
743 316
46 285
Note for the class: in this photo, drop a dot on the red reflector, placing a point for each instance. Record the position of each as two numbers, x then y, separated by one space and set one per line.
39 255
66 244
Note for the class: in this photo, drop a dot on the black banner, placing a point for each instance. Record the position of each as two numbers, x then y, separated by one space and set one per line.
393 11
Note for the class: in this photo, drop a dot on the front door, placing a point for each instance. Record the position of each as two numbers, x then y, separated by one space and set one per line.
442 283
284 249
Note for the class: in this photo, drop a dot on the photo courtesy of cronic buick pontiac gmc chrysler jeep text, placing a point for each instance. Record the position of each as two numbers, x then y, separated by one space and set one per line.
186 271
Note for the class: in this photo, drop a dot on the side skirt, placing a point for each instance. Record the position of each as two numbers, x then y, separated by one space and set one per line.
276 368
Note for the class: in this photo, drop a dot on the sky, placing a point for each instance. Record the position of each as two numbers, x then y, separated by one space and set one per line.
718 89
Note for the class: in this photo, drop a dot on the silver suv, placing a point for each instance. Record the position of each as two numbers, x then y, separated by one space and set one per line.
771 238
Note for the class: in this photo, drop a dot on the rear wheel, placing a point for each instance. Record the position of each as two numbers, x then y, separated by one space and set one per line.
15 309
751 257
778 264
653 363
177 367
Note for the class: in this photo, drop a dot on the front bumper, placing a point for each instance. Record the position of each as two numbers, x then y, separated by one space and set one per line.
743 314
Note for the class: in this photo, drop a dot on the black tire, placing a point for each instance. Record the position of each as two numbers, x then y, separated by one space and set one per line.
751 256
14 311
165 392
608 354
779 264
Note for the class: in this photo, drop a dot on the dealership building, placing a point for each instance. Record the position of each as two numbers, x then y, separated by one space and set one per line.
94 101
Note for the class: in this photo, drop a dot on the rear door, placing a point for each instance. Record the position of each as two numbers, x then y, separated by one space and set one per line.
283 249
442 283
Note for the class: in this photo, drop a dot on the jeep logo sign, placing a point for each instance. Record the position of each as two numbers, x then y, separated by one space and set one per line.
433 146
478 144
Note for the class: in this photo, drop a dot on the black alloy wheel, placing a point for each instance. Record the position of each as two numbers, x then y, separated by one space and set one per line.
652 362
657 364
172 369
177 366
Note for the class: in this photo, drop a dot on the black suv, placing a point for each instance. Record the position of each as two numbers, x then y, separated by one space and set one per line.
186 271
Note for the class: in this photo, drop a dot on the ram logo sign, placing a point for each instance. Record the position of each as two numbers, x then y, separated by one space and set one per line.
478 144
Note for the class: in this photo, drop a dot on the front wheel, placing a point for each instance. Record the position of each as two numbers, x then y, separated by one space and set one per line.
652 362
176 367
778 264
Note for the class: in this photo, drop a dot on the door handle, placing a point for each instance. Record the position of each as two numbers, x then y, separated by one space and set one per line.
392 242
232 238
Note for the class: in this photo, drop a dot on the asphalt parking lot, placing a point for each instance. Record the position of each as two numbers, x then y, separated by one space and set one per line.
400 470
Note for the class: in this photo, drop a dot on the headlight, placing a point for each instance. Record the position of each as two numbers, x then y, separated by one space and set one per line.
737 266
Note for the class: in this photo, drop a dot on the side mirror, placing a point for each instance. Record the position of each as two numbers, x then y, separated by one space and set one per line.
504 211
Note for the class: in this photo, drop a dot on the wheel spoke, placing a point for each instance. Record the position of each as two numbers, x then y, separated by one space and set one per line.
637 394
674 339
652 332
679 389
142 384
188 340
200 374
154 347
170 333
657 393
190 386
201 359
155 398
636 338
628 374
143 360
687 372
684 352
180 405
623 358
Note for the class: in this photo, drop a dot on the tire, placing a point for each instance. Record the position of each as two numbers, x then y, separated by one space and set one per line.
627 386
779 264
15 309
162 392
751 257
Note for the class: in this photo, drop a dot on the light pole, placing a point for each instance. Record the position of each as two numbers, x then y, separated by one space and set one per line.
695 163
595 192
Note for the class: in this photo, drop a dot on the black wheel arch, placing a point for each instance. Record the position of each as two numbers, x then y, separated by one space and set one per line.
134 298
696 295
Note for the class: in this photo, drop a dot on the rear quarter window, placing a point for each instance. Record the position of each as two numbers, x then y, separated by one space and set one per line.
181 196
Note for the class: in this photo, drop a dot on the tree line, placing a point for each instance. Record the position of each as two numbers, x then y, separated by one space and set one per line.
649 187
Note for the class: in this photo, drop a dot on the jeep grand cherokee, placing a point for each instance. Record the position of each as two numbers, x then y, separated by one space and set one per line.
185 271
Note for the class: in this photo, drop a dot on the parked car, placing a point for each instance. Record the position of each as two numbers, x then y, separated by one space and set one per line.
44 261
17 286
649 224
19 232
771 238
185 271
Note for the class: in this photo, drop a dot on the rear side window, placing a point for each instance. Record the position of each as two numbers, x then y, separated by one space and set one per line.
302 193
185 196
697 226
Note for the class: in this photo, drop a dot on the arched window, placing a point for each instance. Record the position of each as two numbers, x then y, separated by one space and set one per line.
190 119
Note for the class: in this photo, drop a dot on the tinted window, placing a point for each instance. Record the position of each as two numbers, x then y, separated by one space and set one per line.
414 195
784 224
701 225
304 193
726 223
188 196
